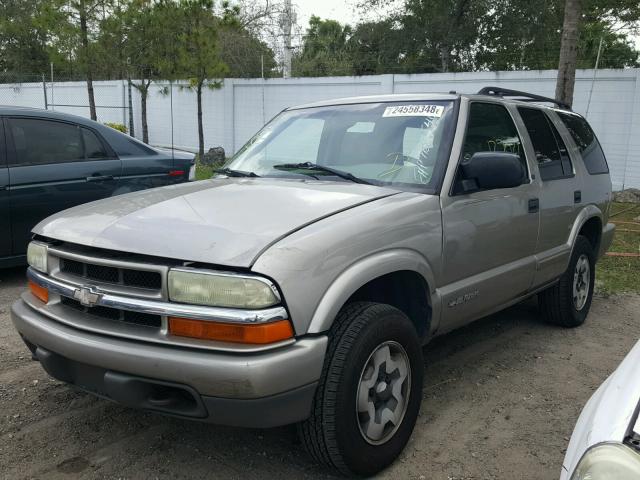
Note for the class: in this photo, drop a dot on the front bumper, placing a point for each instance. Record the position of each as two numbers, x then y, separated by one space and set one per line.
261 389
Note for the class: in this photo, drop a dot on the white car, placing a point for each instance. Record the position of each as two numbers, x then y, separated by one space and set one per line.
605 444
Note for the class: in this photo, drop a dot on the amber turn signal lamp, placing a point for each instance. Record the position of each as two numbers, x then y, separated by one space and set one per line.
259 334
39 292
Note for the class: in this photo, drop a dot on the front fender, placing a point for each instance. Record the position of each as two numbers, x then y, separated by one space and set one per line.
362 272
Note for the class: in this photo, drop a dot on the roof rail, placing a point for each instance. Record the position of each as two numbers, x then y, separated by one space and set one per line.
523 96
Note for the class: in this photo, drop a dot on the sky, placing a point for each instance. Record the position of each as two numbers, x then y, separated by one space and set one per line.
342 10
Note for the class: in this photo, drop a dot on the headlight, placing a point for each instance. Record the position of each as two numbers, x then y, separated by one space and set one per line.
37 256
221 290
608 461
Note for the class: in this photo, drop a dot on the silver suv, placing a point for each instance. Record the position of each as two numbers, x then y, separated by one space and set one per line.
299 285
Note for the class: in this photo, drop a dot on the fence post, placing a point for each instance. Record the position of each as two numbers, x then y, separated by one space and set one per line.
124 104
44 91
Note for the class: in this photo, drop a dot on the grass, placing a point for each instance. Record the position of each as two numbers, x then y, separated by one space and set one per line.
621 274
203 172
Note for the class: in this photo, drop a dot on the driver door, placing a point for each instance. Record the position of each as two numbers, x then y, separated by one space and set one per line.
490 236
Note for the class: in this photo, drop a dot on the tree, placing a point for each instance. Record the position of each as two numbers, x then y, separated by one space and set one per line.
246 55
324 51
378 47
199 56
80 25
23 38
568 52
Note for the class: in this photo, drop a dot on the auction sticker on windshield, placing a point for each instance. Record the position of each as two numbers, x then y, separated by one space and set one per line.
414 111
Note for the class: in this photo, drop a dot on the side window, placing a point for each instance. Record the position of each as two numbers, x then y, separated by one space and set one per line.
39 142
491 129
551 152
587 143
93 147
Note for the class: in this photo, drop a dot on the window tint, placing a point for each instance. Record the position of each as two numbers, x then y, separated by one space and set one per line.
587 143
125 146
39 142
92 145
551 152
491 129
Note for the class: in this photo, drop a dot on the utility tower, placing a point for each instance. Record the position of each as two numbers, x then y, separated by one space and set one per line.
287 19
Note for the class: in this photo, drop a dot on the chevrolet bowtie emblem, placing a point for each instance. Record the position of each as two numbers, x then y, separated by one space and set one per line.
87 296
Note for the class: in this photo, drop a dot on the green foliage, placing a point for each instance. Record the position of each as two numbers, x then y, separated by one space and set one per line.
116 126
325 50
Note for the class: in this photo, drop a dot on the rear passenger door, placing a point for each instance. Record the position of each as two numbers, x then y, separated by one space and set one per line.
560 194
144 167
5 224
54 165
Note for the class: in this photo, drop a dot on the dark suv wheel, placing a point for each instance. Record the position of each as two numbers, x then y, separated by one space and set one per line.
567 302
369 394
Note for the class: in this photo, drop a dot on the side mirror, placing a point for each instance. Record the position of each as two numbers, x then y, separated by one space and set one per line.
491 170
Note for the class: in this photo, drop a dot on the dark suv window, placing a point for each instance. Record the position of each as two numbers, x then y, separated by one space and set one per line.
551 152
587 143
39 142
491 129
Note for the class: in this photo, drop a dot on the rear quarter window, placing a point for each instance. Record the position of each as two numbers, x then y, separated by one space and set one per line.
587 143
126 146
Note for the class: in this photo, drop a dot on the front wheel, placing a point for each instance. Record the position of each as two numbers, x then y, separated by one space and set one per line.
567 302
369 393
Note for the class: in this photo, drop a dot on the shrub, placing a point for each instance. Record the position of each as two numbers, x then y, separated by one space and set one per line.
117 126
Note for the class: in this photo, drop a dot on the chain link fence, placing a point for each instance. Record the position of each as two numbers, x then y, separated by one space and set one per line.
67 95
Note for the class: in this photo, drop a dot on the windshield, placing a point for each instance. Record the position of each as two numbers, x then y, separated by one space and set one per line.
401 144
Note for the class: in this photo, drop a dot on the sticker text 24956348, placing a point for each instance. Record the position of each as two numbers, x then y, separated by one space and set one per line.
414 111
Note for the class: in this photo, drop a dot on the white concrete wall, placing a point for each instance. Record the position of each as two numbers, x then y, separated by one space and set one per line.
235 112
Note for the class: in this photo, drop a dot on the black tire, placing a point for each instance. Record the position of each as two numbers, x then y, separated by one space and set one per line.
557 302
332 434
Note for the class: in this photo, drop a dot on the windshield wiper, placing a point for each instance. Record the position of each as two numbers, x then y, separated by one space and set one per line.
229 172
321 168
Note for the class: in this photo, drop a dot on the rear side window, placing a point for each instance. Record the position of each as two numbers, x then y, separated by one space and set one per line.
587 143
39 142
93 147
551 152
125 146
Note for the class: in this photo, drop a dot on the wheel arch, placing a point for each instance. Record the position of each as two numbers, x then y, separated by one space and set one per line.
384 277
588 223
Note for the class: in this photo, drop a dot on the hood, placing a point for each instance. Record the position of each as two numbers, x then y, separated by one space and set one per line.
608 414
219 221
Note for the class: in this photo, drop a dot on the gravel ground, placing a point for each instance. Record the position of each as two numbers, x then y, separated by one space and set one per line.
500 400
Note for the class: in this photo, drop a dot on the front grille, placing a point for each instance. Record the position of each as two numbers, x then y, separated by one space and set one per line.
114 275
106 313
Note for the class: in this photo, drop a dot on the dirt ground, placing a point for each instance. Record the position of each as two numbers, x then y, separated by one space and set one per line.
500 400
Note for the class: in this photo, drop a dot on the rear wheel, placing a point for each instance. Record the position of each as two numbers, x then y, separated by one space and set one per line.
369 394
567 302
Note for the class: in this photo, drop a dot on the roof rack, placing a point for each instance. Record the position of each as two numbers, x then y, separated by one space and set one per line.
523 96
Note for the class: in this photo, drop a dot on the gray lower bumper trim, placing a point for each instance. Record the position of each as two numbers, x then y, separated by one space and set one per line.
282 409
176 399
236 376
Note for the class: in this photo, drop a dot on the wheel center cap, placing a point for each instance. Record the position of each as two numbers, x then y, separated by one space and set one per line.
381 387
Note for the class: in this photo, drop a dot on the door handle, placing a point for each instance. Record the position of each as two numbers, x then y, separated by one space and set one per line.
577 196
99 178
534 205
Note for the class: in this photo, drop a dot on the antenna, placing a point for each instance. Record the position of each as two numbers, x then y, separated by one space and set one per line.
593 80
